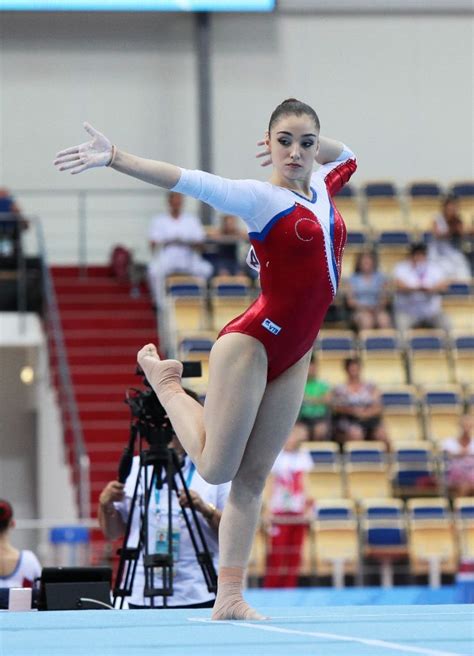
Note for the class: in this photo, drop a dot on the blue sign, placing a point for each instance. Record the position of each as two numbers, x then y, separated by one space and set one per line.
137 5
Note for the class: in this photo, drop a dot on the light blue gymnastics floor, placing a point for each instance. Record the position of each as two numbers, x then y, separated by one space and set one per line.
332 631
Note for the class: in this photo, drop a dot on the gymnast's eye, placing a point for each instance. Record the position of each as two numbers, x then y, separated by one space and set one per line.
308 144
283 141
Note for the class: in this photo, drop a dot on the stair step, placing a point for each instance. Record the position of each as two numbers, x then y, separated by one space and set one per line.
110 337
109 302
76 272
115 320
124 359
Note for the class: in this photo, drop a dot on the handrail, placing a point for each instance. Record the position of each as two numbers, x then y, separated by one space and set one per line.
67 401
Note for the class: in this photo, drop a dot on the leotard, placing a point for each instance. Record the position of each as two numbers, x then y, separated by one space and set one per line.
296 244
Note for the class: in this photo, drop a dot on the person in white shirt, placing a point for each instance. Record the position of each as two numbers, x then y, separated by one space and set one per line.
18 568
175 237
419 283
190 589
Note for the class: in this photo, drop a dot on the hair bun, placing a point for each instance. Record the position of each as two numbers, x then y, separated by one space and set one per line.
290 100
6 511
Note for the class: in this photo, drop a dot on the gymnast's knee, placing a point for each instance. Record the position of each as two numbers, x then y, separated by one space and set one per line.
215 474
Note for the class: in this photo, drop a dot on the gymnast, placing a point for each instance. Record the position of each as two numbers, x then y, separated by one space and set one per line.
258 365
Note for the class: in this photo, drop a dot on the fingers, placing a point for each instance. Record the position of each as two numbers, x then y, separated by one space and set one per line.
92 131
266 162
67 151
263 153
71 165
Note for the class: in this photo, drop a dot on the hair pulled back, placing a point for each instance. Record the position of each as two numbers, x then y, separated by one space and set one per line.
6 513
293 106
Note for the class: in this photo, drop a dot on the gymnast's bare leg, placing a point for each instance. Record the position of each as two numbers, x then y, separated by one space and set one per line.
236 436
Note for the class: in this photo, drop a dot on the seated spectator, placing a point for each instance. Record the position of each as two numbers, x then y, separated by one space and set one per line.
446 246
314 413
366 295
357 407
12 224
18 569
176 238
288 511
228 236
460 453
419 284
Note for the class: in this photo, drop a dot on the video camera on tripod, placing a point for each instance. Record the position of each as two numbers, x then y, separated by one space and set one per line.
150 422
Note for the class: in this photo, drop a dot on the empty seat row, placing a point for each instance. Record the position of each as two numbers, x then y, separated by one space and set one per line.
421 357
342 535
365 470
379 205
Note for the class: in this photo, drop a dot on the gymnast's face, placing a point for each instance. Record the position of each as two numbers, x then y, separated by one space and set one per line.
294 144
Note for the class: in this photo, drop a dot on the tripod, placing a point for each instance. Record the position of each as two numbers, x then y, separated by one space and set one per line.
165 468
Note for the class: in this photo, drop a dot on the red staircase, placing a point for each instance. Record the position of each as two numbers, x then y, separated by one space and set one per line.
104 327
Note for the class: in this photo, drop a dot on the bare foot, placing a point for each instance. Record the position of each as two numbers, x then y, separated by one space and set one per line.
163 375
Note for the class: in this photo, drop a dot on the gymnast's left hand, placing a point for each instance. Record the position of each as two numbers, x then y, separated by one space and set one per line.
90 154
265 152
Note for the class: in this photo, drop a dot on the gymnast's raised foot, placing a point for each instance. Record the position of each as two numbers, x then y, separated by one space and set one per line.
163 375
229 604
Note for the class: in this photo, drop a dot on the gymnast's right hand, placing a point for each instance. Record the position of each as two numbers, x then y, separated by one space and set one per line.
96 152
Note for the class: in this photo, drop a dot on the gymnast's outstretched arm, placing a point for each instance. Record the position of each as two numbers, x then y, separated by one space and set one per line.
241 197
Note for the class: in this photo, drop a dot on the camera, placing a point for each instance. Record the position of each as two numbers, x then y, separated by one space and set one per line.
153 422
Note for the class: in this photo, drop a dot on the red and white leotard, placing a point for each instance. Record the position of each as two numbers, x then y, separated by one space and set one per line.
297 245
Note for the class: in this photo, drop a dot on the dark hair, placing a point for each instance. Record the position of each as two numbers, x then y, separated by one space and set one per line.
6 513
418 247
293 106
449 198
349 361
371 254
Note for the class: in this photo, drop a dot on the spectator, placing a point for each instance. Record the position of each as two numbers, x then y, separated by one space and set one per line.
446 247
288 512
176 238
12 224
367 295
18 569
314 413
190 589
228 236
419 284
460 453
357 407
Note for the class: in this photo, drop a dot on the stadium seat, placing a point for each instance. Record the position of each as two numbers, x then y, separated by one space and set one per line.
428 358
463 357
195 342
332 348
382 358
458 305
383 532
443 405
185 303
348 205
464 190
336 539
357 243
464 521
383 207
401 414
230 296
325 480
432 540
424 200
414 469
366 470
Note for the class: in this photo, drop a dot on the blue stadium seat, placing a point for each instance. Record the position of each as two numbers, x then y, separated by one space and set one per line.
424 189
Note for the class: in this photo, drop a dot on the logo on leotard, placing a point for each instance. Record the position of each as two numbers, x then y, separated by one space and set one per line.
271 327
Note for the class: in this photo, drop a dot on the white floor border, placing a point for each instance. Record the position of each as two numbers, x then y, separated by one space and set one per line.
260 626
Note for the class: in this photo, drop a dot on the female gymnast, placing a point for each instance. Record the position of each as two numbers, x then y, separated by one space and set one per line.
258 365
